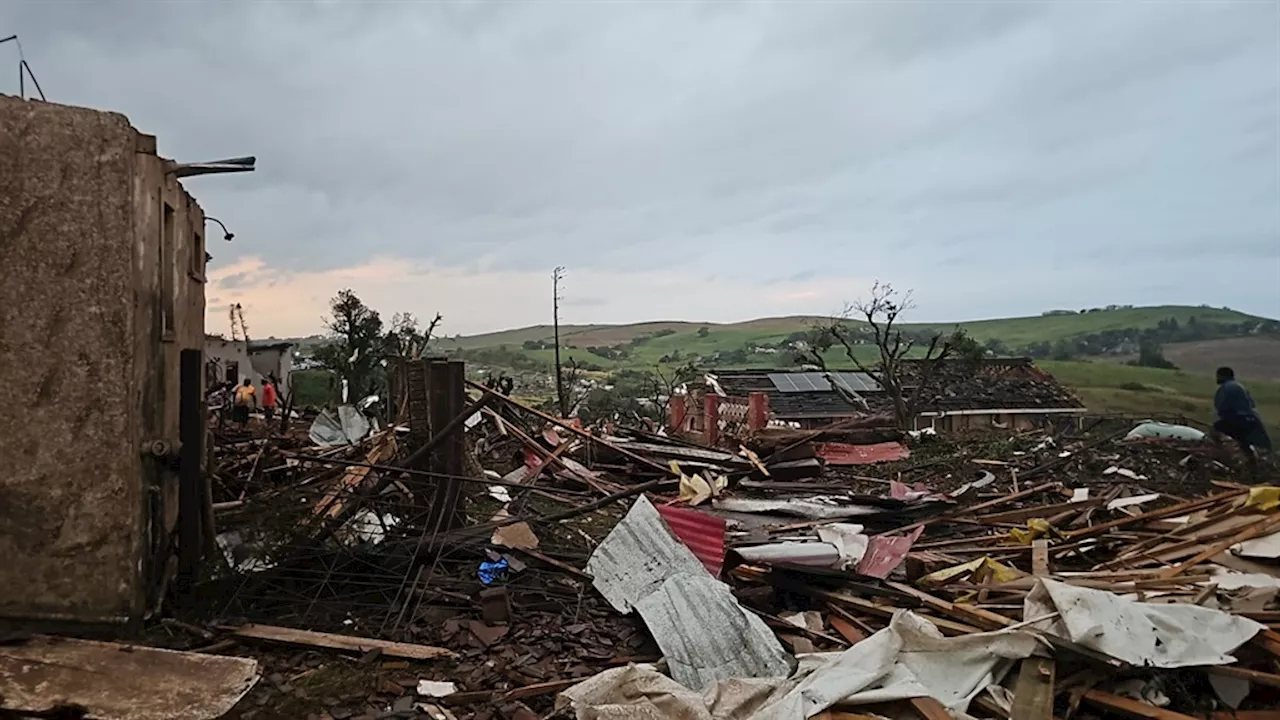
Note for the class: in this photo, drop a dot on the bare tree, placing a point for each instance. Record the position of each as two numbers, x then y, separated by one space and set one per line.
405 339
904 379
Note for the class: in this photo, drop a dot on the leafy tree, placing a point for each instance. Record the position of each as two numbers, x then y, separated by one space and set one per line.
703 331
358 346
1151 354
996 347
637 394
1063 350
354 352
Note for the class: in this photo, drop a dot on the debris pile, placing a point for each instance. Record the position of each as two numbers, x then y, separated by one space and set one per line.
517 565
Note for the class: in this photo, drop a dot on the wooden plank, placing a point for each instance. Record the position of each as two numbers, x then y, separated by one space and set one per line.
969 511
1247 534
979 617
1033 693
1171 511
1255 676
1042 511
339 642
1040 557
1268 640
1132 708
930 709
846 629
545 688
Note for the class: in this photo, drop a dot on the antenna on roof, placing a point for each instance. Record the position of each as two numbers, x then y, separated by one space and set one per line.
24 70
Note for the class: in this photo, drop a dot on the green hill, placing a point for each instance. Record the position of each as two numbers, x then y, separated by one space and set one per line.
1012 331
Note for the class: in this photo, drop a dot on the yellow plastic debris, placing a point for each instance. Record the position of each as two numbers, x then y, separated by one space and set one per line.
1264 497
1036 529
695 490
997 571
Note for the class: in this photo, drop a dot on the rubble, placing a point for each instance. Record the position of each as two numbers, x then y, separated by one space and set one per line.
585 571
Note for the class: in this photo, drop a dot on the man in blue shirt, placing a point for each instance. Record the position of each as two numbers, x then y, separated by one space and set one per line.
1238 416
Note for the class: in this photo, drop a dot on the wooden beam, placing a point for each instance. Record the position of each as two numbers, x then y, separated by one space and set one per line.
846 629
1040 557
332 641
1171 511
1255 676
930 709
1033 693
1132 708
959 611
1247 534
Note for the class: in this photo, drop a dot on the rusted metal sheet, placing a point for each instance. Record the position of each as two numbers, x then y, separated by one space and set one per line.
700 532
121 682
835 453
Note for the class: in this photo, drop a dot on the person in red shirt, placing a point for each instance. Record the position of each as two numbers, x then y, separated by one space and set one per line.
269 397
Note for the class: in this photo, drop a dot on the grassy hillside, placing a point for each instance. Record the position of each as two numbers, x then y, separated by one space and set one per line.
1103 382
1123 389
1012 331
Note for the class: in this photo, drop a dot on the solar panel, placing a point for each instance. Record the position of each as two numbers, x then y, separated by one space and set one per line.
858 382
816 382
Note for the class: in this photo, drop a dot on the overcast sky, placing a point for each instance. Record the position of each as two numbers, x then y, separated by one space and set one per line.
704 161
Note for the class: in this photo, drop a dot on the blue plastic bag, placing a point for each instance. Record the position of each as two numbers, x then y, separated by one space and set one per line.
491 572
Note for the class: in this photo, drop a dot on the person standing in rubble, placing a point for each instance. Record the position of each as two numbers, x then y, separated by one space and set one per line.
269 397
1238 416
246 397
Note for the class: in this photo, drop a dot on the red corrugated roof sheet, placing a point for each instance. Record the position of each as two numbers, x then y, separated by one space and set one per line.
886 552
845 454
700 532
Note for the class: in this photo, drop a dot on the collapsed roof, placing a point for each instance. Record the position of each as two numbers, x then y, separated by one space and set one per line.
957 385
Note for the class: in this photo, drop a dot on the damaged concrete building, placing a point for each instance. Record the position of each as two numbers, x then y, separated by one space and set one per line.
228 360
104 260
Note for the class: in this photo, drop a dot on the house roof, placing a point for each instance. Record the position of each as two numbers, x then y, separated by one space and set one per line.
994 384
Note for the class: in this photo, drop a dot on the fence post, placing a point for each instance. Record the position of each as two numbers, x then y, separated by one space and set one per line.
757 411
677 411
711 418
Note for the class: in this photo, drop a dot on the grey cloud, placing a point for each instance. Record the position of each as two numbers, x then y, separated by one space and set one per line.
764 140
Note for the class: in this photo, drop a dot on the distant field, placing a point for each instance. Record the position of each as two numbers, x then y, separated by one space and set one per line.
1253 358
1107 387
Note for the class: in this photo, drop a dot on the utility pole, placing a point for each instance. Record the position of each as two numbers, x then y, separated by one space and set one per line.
562 400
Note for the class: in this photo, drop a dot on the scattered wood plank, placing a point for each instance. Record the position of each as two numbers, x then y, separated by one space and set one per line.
1033 693
982 618
1171 511
1040 557
1132 708
1256 676
847 630
333 641
1247 534
930 709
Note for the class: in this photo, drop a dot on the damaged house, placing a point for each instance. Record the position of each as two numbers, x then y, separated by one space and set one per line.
233 360
1007 393
101 332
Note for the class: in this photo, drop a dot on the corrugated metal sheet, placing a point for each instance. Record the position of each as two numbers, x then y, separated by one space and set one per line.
885 552
700 532
704 634
836 453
